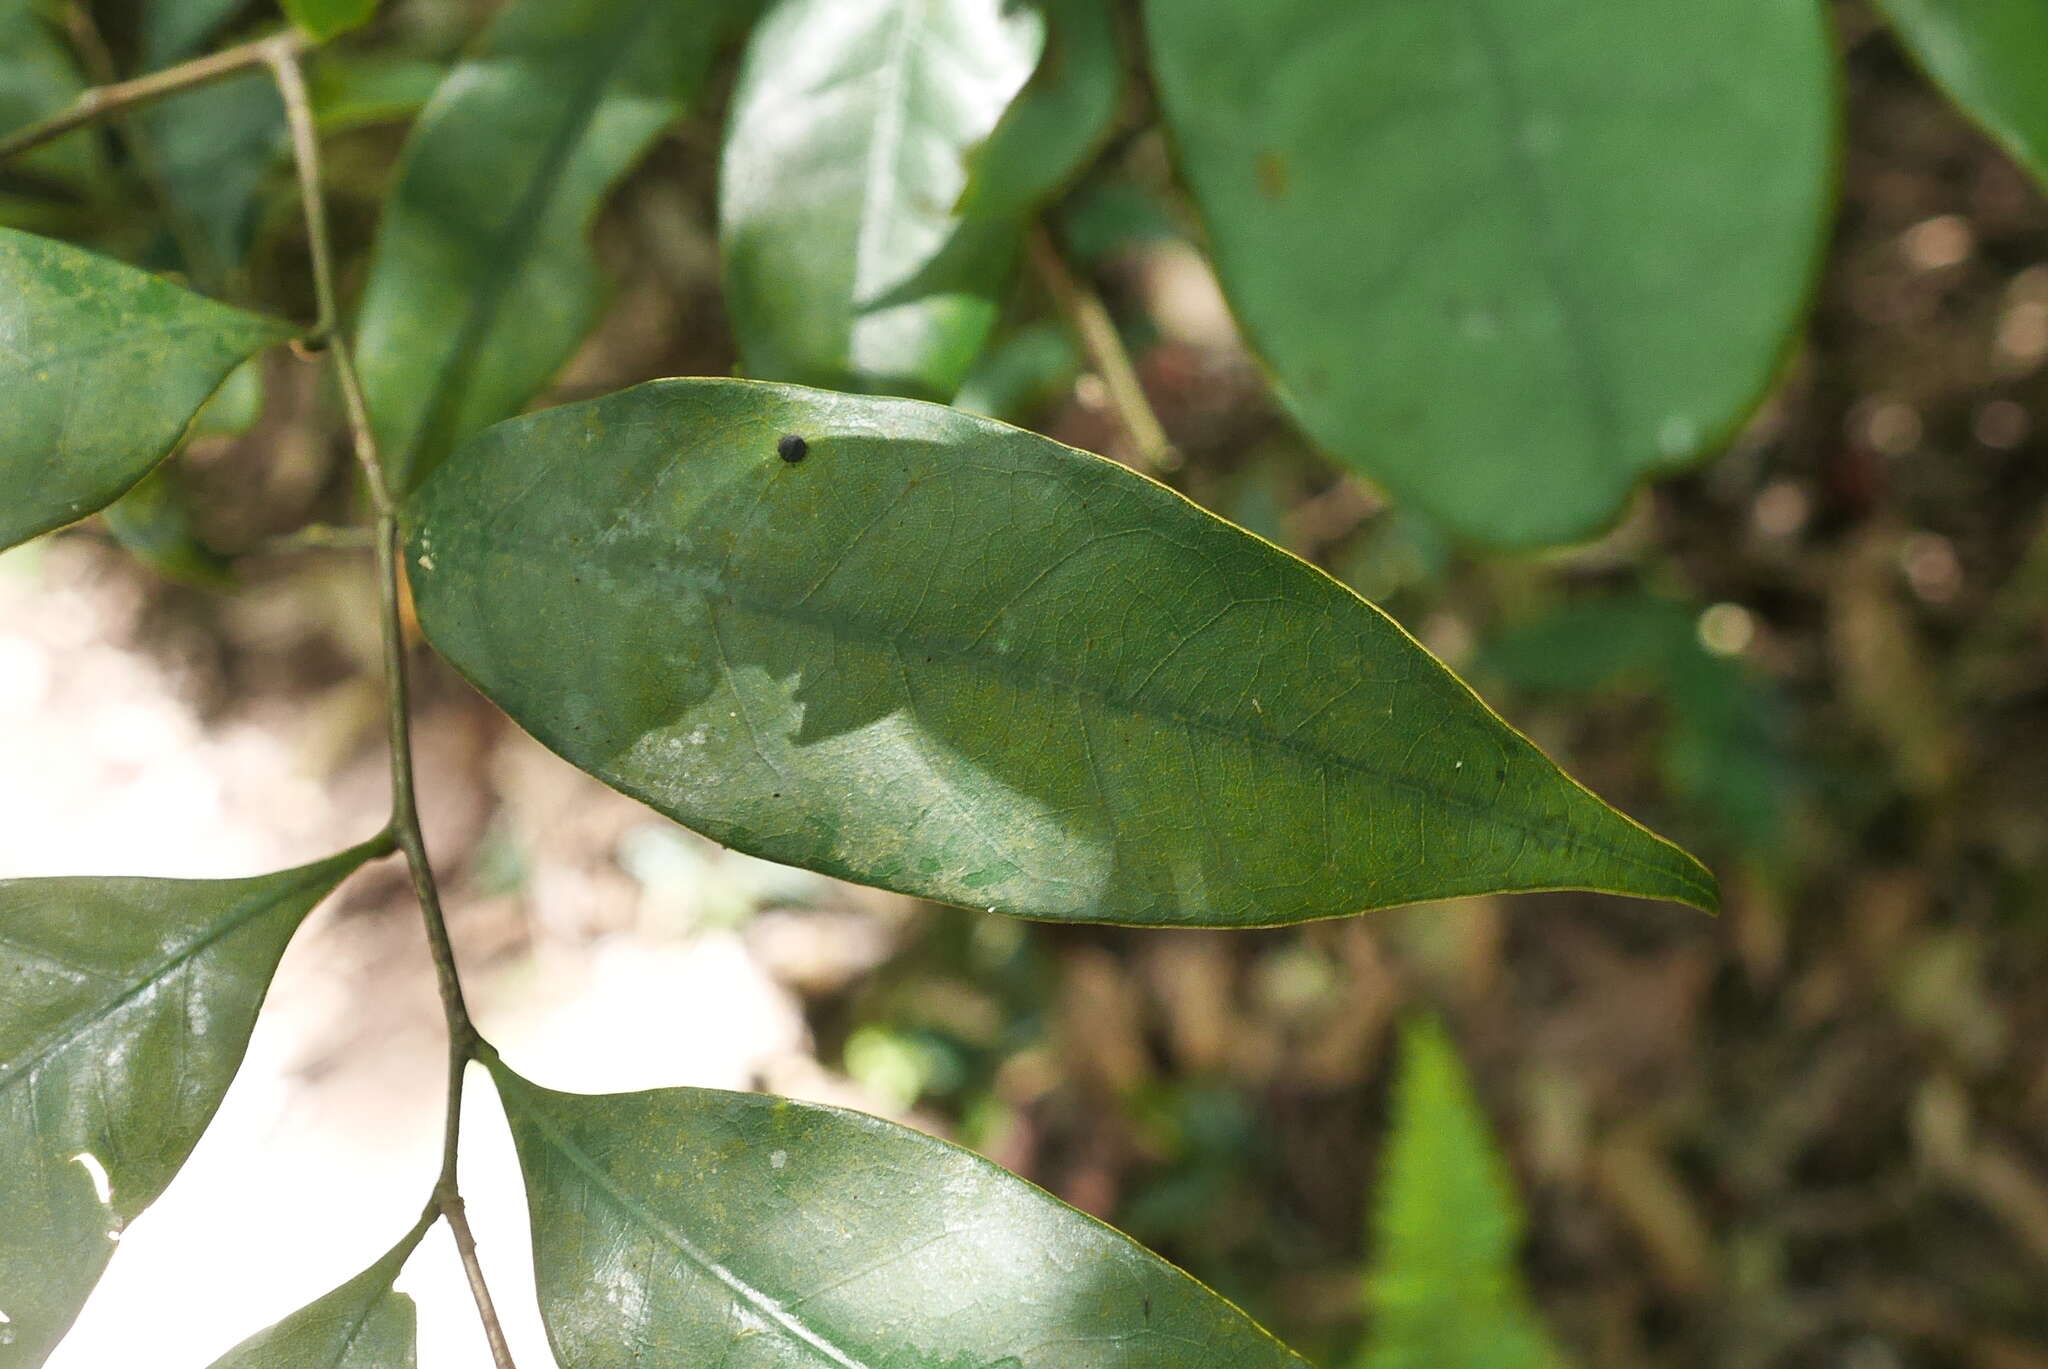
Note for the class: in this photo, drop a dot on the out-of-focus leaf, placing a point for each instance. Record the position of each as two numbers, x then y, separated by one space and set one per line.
154 522
101 369
1021 374
125 1005
1989 55
482 282
325 18
173 29
213 148
235 406
1471 239
364 1324
37 78
844 263
1109 214
1445 1291
355 90
959 660
698 1227
1058 119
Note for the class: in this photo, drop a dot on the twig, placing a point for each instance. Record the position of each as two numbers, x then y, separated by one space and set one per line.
1089 318
463 1041
101 101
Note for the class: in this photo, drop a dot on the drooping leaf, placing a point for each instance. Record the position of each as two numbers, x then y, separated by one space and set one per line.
101 369
698 1227
1058 119
37 78
844 263
1989 55
1508 259
364 1324
959 660
125 1005
1445 1290
325 18
482 282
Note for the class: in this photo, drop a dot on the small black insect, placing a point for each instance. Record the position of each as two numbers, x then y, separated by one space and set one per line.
792 448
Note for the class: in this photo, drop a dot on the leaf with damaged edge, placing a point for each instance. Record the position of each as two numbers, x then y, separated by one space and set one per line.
910 647
672 1226
364 1324
125 1006
1991 56
102 367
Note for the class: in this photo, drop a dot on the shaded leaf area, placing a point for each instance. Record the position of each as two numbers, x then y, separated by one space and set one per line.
1989 55
326 18
101 369
364 1324
695 1226
125 1006
1060 117
844 263
959 660
154 521
38 77
482 283
171 29
212 151
1445 1289
1470 238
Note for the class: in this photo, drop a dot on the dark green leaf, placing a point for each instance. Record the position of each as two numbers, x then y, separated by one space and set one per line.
959 660
172 29
325 18
1504 258
213 149
844 263
697 1227
37 78
1446 1291
364 1324
125 1005
482 283
1058 119
1990 56
101 369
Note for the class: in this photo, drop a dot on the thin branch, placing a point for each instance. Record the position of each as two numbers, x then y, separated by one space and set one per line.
405 819
101 101
1089 318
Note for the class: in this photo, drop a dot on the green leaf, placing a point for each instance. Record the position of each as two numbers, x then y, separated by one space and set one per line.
482 282
962 661
1445 1291
101 369
125 1005
1507 259
356 90
37 78
844 265
1058 120
172 29
698 1227
154 522
1989 55
1022 374
364 1324
324 19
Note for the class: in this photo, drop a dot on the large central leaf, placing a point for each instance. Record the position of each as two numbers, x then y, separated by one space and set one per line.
949 657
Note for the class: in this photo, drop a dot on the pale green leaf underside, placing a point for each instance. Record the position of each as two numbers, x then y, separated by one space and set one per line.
1991 56
956 659
697 1227
102 367
364 1324
125 1005
1508 258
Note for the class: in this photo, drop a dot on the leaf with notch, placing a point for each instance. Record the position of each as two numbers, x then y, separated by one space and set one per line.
694 1226
1990 56
125 1006
101 369
364 1324
958 660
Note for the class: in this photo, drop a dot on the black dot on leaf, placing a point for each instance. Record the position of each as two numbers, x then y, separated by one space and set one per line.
792 448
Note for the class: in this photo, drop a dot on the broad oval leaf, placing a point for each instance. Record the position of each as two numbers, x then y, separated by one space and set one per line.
844 263
1060 117
1990 56
364 1324
1507 259
959 660
482 283
125 1005
102 367
698 1227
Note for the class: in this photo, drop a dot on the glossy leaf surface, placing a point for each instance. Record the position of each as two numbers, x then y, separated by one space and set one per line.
325 18
693 1226
844 263
482 283
101 369
1058 119
1507 258
1990 56
364 1324
959 660
125 1005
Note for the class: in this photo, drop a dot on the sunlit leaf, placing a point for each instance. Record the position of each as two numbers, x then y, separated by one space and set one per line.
125 1005
101 369
326 18
1990 56
914 648
698 1227
844 263
1058 119
1508 259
